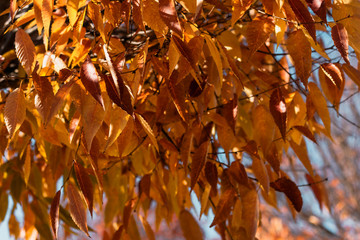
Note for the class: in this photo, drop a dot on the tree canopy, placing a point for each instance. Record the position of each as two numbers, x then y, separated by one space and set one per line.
129 111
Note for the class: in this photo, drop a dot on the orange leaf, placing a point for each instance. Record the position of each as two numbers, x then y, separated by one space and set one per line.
272 157
250 211
306 132
13 8
301 152
59 99
211 174
340 38
257 32
27 164
238 172
198 162
169 15
38 17
304 17
148 130
189 226
25 50
46 13
54 213
315 188
14 111
260 173
353 73
185 51
301 59
333 73
239 8
144 185
77 210
223 208
45 95
127 212
318 7
72 7
178 95
85 185
291 191
278 110
90 78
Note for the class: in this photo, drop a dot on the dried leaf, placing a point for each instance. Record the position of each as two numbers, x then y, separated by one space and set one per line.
90 79
257 32
169 15
318 7
85 184
45 95
340 38
77 209
238 172
54 213
291 191
14 111
25 50
211 174
198 162
223 208
278 111
148 130
304 17
333 73
302 59
189 226
306 132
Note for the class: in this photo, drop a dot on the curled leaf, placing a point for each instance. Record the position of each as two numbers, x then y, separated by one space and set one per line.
54 213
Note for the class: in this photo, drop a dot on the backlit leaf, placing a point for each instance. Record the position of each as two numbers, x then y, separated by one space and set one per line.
27 164
54 213
47 11
25 50
189 226
315 188
353 73
239 7
90 78
77 209
45 95
340 37
169 16
198 162
14 111
72 7
260 173
304 17
318 7
301 152
148 130
333 73
211 174
306 132
278 110
290 189
223 208
85 184
257 32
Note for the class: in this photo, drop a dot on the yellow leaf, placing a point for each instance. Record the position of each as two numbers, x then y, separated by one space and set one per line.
46 13
215 55
148 130
239 8
25 50
38 15
320 105
77 209
189 226
301 152
353 73
72 7
118 121
257 32
14 111
260 173
27 164
151 16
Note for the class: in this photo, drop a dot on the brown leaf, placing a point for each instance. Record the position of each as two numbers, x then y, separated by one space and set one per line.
318 7
178 95
257 32
185 51
272 157
46 95
333 73
353 73
278 110
86 185
59 99
169 15
211 174
77 210
223 208
238 172
315 188
304 17
198 162
239 9
306 132
25 50
189 226
290 189
54 213
90 79
148 130
144 185
340 38
14 111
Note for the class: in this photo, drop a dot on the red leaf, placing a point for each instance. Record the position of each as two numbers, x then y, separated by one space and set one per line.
54 213
291 191
90 78
304 17
198 162
85 185
169 15
333 73
224 206
278 110
340 38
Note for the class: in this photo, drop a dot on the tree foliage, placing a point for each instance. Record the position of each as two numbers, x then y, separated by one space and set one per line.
121 108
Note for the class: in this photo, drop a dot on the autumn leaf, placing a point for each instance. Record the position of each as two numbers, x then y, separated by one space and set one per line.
77 209
340 38
352 72
85 185
54 213
223 208
46 14
148 130
90 79
258 31
318 7
333 73
25 50
169 15
238 172
198 163
211 174
306 132
278 111
14 111
45 95
304 17
315 188
189 226
239 7
27 164
291 191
